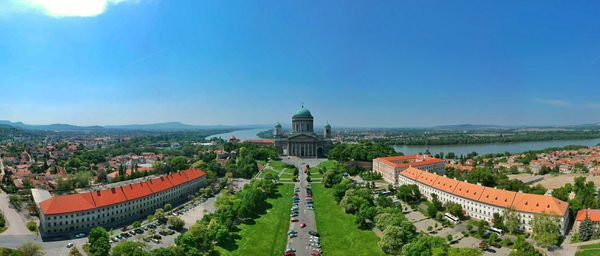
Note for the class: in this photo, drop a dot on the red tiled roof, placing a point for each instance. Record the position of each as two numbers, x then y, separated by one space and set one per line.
593 214
427 178
68 203
193 173
137 190
108 196
177 178
468 190
159 184
96 199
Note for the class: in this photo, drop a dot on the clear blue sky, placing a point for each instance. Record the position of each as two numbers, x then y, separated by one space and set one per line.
358 63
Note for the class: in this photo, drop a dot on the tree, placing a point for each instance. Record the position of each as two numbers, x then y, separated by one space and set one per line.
455 209
98 239
436 202
432 211
425 245
31 249
177 163
176 223
499 221
409 193
463 252
365 212
523 248
511 221
586 229
168 207
129 248
546 231
159 214
75 252
136 224
394 238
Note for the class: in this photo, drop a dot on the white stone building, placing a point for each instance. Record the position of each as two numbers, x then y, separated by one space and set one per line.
67 214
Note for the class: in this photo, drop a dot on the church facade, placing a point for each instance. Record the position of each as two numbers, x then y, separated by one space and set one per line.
302 141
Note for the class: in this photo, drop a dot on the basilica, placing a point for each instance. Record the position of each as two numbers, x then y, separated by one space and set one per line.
302 141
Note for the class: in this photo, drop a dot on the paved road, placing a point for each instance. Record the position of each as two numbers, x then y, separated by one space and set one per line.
16 225
306 216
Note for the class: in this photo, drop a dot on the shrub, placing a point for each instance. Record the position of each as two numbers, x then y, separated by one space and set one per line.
32 226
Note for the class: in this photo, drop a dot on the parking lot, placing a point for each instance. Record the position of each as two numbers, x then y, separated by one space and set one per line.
303 238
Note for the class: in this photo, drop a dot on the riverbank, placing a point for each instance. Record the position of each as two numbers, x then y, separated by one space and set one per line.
483 149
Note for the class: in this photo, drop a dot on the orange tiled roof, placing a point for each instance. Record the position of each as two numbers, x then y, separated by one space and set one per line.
68 203
502 198
96 199
411 173
445 184
539 204
427 178
498 197
593 214
412 160
108 196
468 190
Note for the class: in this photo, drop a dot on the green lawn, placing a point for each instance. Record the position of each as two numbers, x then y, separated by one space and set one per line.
588 250
268 236
277 165
339 233
326 165
315 174
265 172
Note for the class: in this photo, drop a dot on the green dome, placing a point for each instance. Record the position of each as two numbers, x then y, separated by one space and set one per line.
278 125
303 112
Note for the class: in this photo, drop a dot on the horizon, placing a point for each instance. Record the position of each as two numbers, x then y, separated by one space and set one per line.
359 64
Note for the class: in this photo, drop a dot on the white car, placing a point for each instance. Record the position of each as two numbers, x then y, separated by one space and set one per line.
69 245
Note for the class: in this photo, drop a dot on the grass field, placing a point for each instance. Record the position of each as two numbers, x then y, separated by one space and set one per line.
277 165
326 165
268 235
315 174
265 172
339 233
588 250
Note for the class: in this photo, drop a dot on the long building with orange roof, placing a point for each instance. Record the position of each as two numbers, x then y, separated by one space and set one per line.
68 214
389 167
480 202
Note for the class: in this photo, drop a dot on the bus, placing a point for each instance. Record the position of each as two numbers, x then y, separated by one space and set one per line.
451 218
498 231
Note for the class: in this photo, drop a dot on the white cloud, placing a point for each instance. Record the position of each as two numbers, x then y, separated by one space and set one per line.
554 102
67 8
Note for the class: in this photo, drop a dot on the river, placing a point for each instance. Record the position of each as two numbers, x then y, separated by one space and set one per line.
516 147
248 134
482 149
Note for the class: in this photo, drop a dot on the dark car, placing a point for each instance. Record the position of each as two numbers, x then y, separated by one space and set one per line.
313 233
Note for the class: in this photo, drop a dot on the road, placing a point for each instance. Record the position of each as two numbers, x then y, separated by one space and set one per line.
306 216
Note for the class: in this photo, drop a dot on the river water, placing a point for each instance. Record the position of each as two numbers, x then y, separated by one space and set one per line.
249 134
516 147
482 149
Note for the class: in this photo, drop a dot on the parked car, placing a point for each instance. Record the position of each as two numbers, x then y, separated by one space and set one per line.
156 241
69 245
313 233
294 220
303 225
80 235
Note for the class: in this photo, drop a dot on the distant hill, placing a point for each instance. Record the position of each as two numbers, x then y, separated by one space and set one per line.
471 127
167 126
51 127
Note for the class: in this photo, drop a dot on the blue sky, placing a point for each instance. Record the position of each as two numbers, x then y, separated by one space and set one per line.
353 63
